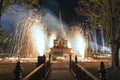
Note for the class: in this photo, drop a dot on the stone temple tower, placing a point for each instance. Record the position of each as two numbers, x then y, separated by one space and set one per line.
62 32
60 44
60 47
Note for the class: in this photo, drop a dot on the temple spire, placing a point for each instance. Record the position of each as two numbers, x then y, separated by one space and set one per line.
60 17
62 31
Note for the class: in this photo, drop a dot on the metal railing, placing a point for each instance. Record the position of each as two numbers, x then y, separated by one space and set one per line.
39 73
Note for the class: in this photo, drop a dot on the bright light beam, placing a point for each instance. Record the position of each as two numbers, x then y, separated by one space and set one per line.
51 40
39 39
79 45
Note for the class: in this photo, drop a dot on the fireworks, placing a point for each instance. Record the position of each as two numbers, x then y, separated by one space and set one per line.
34 37
39 39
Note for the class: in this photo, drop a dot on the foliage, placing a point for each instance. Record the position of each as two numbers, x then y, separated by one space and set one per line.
3 5
101 14
28 4
4 40
105 15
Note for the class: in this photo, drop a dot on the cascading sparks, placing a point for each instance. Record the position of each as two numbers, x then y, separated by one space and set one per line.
30 39
33 38
79 45
51 40
41 42
39 39
77 42
69 44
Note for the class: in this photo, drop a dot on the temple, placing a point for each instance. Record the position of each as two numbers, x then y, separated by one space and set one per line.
60 47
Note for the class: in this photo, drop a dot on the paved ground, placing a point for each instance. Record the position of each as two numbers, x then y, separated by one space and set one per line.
60 71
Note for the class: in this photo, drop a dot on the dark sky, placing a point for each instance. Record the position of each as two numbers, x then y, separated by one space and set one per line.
67 8
68 13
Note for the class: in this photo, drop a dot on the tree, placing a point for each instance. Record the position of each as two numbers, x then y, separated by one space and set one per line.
5 3
1 4
104 14
4 40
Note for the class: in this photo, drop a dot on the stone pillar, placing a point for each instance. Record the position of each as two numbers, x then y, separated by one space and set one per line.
18 71
50 57
41 60
102 71
70 57
76 60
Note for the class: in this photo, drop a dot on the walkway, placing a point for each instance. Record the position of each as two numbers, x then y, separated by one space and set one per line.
60 71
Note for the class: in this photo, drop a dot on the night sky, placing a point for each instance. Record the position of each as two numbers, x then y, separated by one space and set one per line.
67 8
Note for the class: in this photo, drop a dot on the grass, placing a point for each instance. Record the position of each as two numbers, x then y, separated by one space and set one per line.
6 69
93 68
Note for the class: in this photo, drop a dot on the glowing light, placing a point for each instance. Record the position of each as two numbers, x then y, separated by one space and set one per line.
39 39
51 40
79 45
69 44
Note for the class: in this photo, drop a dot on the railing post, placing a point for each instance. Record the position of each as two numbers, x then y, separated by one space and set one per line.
41 60
49 64
76 59
70 62
70 57
102 71
76 67
50 57
18 71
